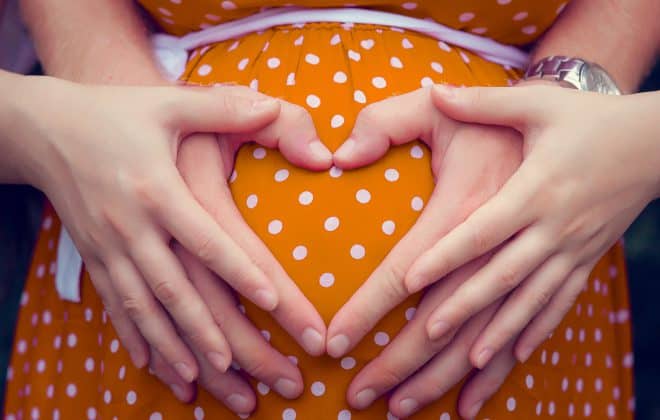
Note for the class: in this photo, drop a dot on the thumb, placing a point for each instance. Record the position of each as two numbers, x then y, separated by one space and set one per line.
515 107
217 110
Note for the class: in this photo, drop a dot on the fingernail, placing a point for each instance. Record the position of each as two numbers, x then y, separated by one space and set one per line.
474 410
263 105
313 341
408 406
238 403
524 353
338 345
178 392
445 91
484 357
265 299
365 397
345 150
438 329
286 388
218 361
184 371
320 152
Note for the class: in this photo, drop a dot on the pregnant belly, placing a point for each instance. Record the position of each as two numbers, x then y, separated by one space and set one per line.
330 229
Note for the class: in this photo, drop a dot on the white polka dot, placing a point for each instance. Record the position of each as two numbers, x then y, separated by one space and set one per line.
445 416
263 388
156 416
259 153
391 175
24 298
47 223
598 335
417 203
91 413
198 413
555 358
291 79
293 359
426 82
72 340
89 364
50 391
122 373
587 409
410 313
379 82
318 388
363 196
416 152
598 384
312 59
479 31
359 97
354 55
464 57
466 17
289 414
228 5
340 77
396 63
409 5
348 363
337 121
357 251
529 29
107 396
71 390
299 253
275 227
273 63
21 346
335 172
299 41
131 397
251 201
511 404
41 365
41 270
88 314
503 2
266 334
34 413
336 39
628 360
313 101
204 70
243 63
529 381
388 227
381 338
406 44
579 385
520 16
437 67
327 279
281 175
344 415
331 223
305 198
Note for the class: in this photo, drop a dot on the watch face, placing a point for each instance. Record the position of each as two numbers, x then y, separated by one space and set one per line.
594 79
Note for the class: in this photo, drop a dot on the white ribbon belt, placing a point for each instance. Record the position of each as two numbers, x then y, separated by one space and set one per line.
172 55
172 52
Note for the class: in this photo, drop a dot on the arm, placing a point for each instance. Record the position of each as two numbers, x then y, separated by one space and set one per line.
620 35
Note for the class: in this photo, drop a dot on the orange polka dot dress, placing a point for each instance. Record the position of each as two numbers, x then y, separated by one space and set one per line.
329 230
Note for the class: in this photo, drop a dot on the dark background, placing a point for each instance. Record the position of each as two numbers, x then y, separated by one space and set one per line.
20 209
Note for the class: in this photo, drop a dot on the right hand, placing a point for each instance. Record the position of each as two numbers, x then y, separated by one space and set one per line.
112 178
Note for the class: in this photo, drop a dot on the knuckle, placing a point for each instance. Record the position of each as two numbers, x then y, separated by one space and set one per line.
508 278
395 288
388 376
258 366
134 308
541 298
480 239
205 249
165 292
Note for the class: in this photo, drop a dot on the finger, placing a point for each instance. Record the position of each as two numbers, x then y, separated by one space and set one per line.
294 311
217 109
485 383
251 351
127 332
195 229
520 308
294 134
408 351
393 121
501 217
505 106
182 390
150 318
170 284
552 315
504 272
442 373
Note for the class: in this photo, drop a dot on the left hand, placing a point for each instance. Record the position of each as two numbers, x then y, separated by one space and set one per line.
493 155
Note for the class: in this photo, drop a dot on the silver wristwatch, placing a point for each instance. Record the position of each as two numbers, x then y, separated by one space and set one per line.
575 73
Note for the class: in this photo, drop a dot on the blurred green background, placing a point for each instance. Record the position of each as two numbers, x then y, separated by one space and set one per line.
20 209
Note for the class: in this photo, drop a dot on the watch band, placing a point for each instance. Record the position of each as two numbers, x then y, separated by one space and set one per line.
557 68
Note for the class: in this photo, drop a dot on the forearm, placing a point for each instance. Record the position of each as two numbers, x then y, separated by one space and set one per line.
92 41
621 35
641 117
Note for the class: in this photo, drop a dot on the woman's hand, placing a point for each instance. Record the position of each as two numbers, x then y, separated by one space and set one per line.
470 163
111 176
591 165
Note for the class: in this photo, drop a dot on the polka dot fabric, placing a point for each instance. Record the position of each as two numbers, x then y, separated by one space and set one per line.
329 230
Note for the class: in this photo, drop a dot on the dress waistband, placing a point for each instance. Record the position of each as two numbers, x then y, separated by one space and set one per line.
172 52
